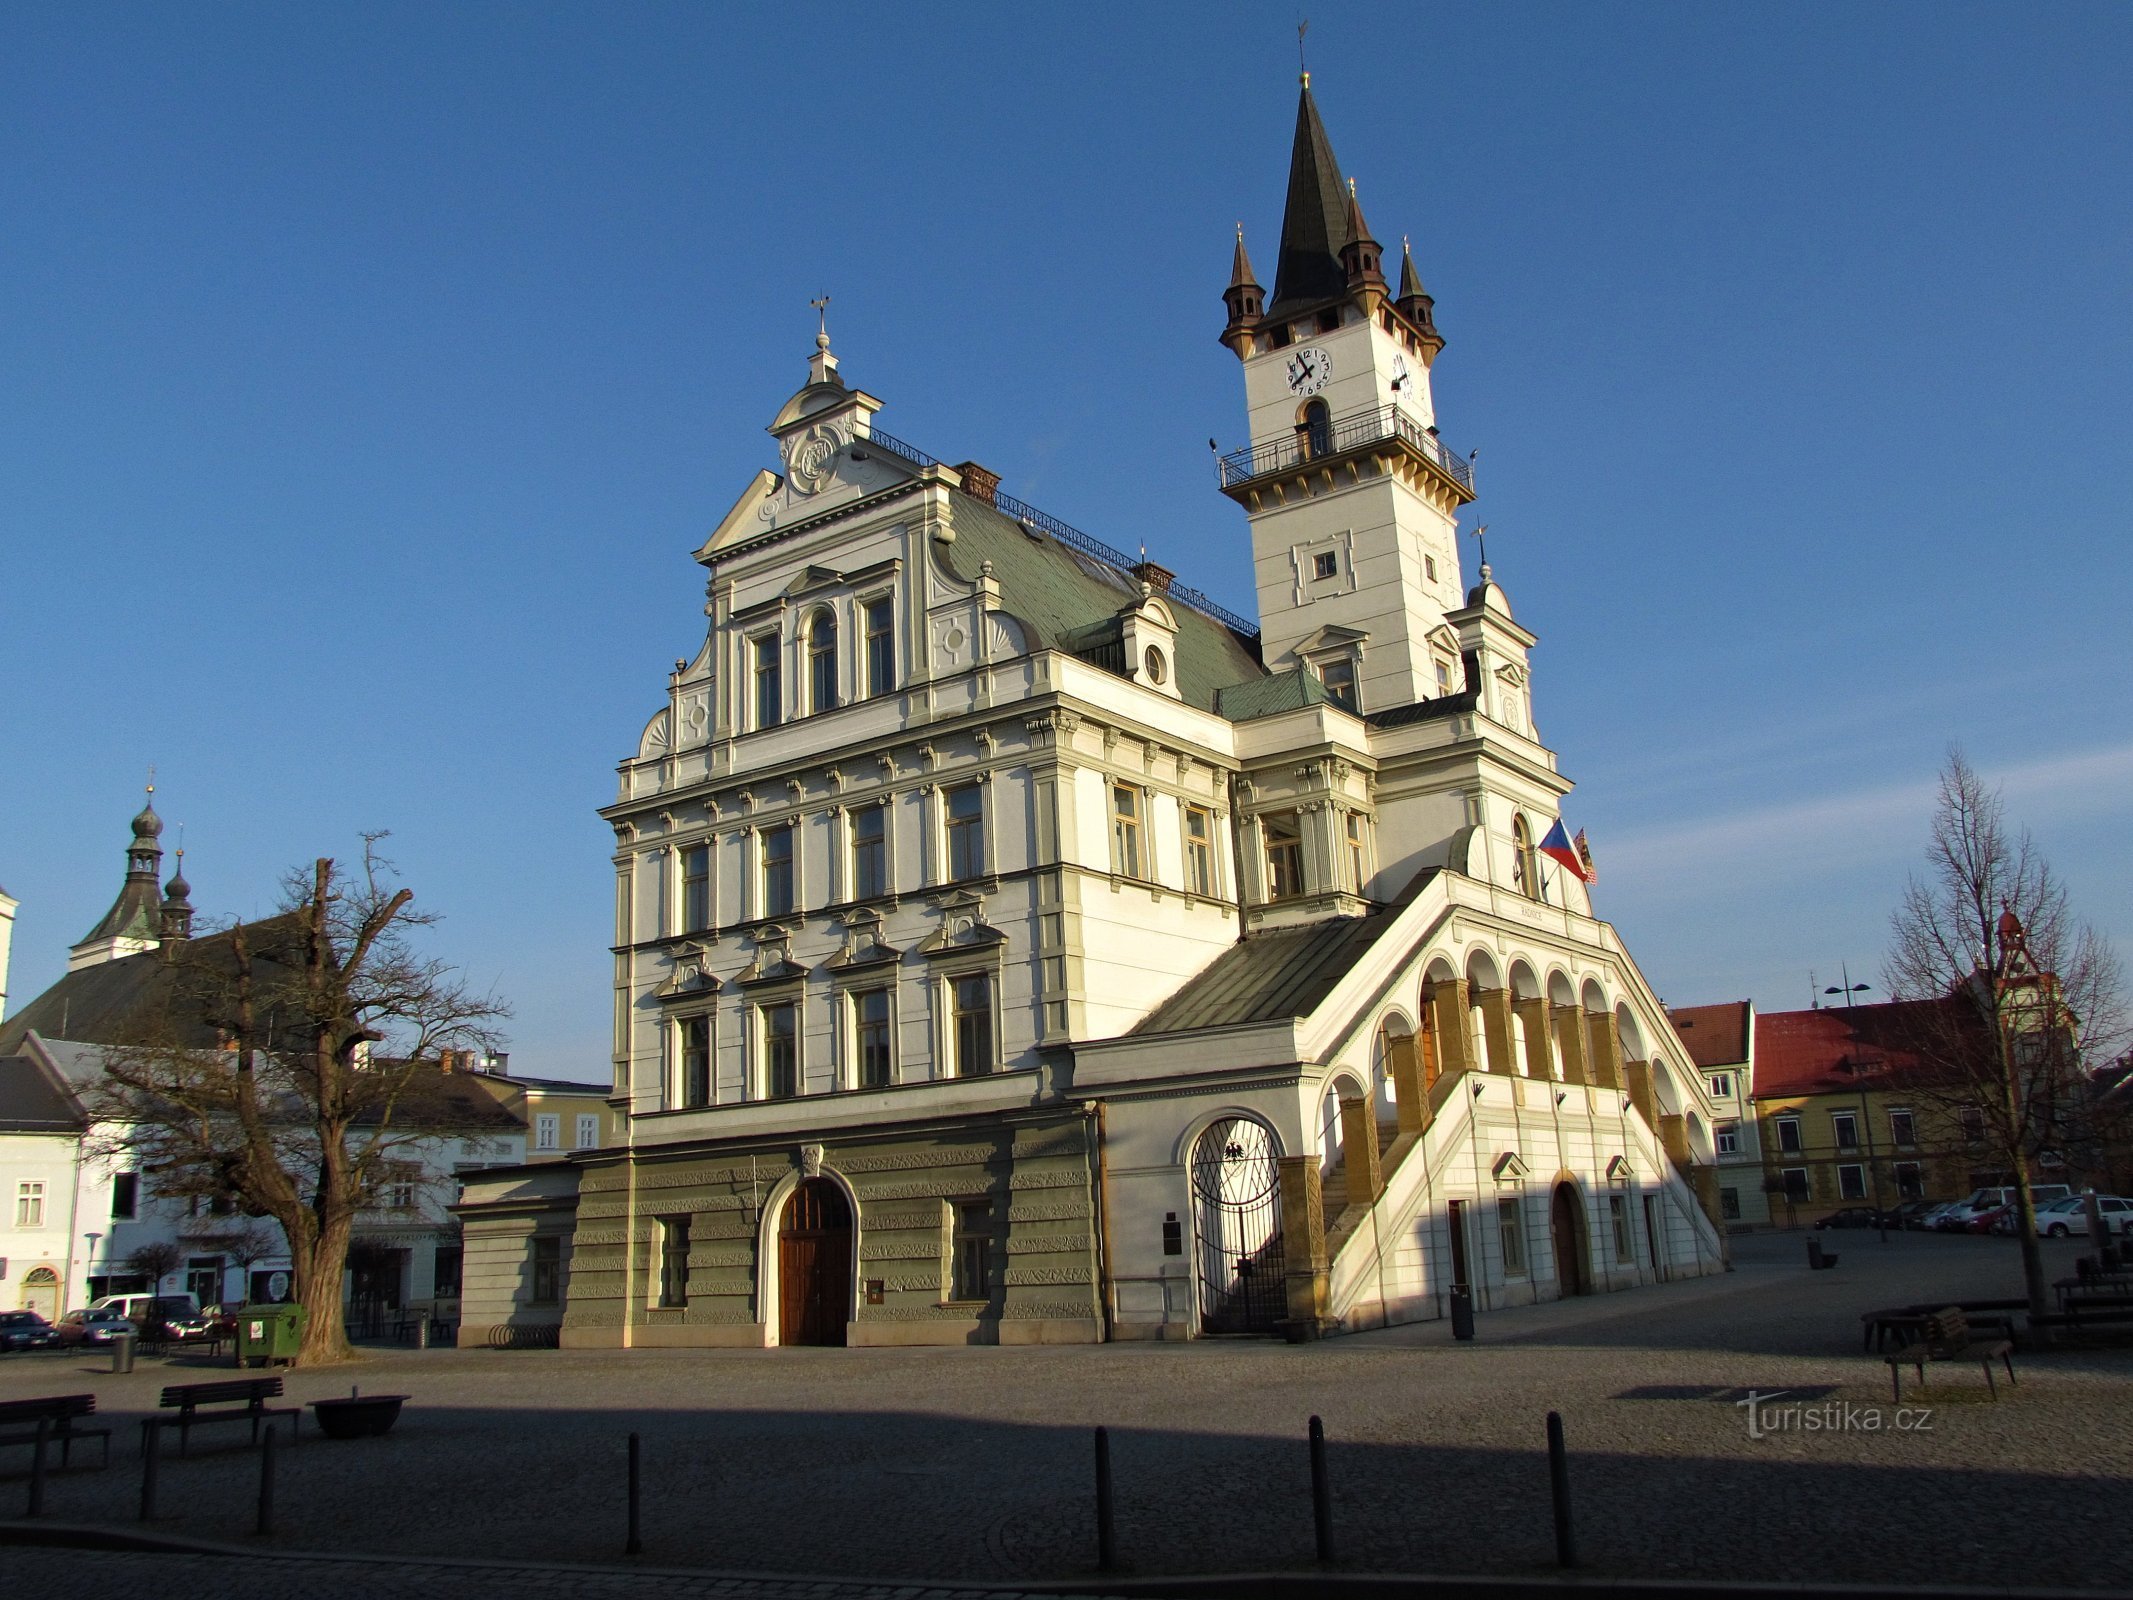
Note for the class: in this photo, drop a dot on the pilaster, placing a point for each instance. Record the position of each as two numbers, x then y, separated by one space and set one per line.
1570 1041
1495 1008
1303 1245
1447 1015
1540 1052
1359 1150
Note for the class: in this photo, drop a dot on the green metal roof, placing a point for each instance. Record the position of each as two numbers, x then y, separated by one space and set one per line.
1265 697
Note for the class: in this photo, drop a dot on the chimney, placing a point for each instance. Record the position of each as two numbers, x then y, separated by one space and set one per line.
980 483
1157 578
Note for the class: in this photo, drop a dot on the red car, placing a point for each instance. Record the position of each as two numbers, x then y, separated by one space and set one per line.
1983 1221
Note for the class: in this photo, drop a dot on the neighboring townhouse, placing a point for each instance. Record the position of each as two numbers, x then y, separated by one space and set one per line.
1721 1044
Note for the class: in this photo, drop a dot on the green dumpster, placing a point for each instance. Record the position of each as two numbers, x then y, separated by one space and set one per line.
266 1334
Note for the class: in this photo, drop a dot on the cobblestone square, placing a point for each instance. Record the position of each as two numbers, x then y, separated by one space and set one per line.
974 1465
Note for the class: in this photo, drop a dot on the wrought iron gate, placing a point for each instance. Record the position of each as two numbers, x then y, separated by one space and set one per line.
1236 1191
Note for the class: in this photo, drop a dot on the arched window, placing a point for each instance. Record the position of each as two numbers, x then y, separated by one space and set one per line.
822 662
1318 429
1525 862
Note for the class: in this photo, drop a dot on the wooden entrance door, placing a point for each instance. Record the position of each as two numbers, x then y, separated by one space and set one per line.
814 1265
1566 1230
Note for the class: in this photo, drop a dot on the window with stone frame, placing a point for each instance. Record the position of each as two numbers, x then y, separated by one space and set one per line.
966 831
1844 1129
1851 1182
1525 860
1910 1181
1797 1189
1358 854
1126 830
822 661
769 680
125 1196
970 1023
1729 1204
870 851
1338 676
547 1131
29 1205
777 871
1199 850
695 888
588 1130
872 1043
695 1060
879 619
1728 1134
781 1050
1618 1223
1283 833
673 1288
546 1278
1788 1132
1903 1129
970 1248
1511 1229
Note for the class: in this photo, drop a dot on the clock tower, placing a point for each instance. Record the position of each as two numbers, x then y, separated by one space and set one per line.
1353 498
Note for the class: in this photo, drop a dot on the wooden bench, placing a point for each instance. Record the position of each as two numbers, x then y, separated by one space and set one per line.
252 1394
61 1414
1946 1337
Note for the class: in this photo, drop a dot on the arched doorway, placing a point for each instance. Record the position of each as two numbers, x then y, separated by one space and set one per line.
40 1293
814 1265
1572 1240
1236 1193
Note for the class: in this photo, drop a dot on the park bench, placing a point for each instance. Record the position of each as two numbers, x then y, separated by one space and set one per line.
1946 1336
61 1415
252 1394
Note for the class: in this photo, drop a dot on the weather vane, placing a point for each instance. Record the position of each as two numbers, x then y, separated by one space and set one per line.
1303 26
1480 532
822 320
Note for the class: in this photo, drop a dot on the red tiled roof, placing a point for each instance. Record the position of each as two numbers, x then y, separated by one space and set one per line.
1814 1052
1717 1036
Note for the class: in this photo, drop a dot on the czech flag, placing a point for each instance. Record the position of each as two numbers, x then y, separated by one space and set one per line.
1558 848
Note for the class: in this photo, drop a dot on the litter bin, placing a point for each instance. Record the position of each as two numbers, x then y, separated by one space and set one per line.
266 1334
1462 1312
122 1353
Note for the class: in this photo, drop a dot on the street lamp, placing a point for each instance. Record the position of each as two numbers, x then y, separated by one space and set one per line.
89 1269
1866 1113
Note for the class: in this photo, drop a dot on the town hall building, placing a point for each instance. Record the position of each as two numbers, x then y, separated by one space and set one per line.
1012 945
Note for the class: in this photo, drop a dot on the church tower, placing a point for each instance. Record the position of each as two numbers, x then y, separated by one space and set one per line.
1353 498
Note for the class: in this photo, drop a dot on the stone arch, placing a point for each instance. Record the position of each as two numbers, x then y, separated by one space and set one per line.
1341 1083
769 1222
40 1293
1570 1236
1236 1224
1532 1041
1593 998
1561 991
1631 1035
1666 1089
1701 1150
1395 1044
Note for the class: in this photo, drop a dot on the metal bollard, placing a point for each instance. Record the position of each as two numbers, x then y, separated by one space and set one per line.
1321 1493
1106 1530
151 1454
1566 1553
36 1506
634 1545
265 1524
122 1353
422 1333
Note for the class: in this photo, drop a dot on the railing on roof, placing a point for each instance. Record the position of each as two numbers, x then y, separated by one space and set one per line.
1067 534
1285 452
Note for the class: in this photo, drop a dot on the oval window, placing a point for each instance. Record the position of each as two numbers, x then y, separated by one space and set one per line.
1156 670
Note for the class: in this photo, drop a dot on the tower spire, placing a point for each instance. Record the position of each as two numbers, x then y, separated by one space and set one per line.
1244 298
1314 223
1414 303
134 922
1359 254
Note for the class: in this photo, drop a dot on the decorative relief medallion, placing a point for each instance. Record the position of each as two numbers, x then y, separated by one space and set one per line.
809 464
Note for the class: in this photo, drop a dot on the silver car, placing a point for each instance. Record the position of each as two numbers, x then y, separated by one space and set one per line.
2063 1218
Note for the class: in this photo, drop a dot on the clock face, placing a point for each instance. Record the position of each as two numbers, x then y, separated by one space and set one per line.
1309 370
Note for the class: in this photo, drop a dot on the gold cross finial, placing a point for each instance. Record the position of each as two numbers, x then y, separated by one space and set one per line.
1303 26
822 332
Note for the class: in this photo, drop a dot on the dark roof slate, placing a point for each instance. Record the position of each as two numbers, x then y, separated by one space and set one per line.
1716 1036
1269 975
1068 600
31 1101
1448 705
1291 690
1314 223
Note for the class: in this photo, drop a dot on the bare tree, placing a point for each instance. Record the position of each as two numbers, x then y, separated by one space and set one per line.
295 1065
155 1261
251 1242
2018 990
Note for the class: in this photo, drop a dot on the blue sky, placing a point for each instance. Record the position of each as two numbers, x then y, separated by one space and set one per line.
367 375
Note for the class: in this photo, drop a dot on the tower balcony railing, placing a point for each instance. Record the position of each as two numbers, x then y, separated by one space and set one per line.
1285 452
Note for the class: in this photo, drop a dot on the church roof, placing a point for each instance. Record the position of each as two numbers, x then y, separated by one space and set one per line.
1069 600
116 1002
1314 224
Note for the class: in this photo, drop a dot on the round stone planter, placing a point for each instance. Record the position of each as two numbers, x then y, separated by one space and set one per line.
357 1416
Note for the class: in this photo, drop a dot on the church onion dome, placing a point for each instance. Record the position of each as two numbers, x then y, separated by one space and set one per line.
148 825
177 913
1314 223
137 912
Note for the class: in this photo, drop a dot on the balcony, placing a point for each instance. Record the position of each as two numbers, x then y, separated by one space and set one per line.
1343 436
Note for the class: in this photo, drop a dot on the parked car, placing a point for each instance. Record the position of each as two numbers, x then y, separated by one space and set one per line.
1929 1220
210 1322
26 1330
156 1316
1908 1214
1858 1217
93 1326
1987 1221
1982 1205
2063 1218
